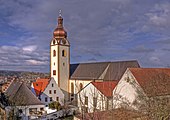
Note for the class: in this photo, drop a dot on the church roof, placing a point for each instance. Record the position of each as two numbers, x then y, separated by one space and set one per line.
106 87
154 81
108 70
20 95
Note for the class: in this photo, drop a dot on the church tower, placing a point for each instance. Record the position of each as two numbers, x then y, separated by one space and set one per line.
60 57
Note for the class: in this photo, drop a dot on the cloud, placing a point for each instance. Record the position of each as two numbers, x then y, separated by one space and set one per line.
141 49
106 30
30 48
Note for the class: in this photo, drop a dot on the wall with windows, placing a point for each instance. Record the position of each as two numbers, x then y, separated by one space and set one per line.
60 64
91 99
52 93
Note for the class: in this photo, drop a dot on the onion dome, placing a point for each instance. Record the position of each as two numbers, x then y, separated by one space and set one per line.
59 32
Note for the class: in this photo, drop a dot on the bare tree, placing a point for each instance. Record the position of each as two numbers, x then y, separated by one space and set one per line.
154 99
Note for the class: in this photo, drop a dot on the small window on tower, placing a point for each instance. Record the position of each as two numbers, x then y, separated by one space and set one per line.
54 53
54 72
63 53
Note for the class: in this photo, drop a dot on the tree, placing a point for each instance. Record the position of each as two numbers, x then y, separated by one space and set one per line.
55 105
154 99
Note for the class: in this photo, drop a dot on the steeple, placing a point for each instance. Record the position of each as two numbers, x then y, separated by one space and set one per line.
59 32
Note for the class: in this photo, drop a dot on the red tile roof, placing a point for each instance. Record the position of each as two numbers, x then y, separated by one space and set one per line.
106 87
40 85
154 81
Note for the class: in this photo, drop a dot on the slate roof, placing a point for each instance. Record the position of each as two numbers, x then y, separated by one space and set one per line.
106 88
154 81
40 85
20 95
114 70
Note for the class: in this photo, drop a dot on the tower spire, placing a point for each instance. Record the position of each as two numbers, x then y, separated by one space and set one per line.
59 32
60 13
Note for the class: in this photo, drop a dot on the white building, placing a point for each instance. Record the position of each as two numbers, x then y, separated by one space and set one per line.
139 84
47 91
21 97
96 96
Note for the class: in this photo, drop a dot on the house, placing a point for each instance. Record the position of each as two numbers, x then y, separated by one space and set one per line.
96 96
21 97
47 91
71 78
142 88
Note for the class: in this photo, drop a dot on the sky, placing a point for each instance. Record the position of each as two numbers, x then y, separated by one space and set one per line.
98 30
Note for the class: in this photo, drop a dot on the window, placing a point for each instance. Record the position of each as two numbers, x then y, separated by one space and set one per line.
54 72
81 86
52 85
63 53
94 102
54 53
41 109
33 110
49 91
54 42
51 99
54 91
57 98
54 63
86 100
46 99
63 64
72 88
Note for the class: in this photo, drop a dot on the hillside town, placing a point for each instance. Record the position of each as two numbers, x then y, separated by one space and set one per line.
113 90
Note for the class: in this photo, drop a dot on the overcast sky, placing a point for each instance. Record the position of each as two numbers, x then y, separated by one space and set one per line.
98 30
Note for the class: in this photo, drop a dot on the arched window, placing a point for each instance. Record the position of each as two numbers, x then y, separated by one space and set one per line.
72 88
63 53
81 86
54 53
54 42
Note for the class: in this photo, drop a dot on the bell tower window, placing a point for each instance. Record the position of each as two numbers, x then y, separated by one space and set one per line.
63 53
54 53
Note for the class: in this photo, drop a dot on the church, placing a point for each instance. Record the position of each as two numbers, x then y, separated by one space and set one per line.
71 78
